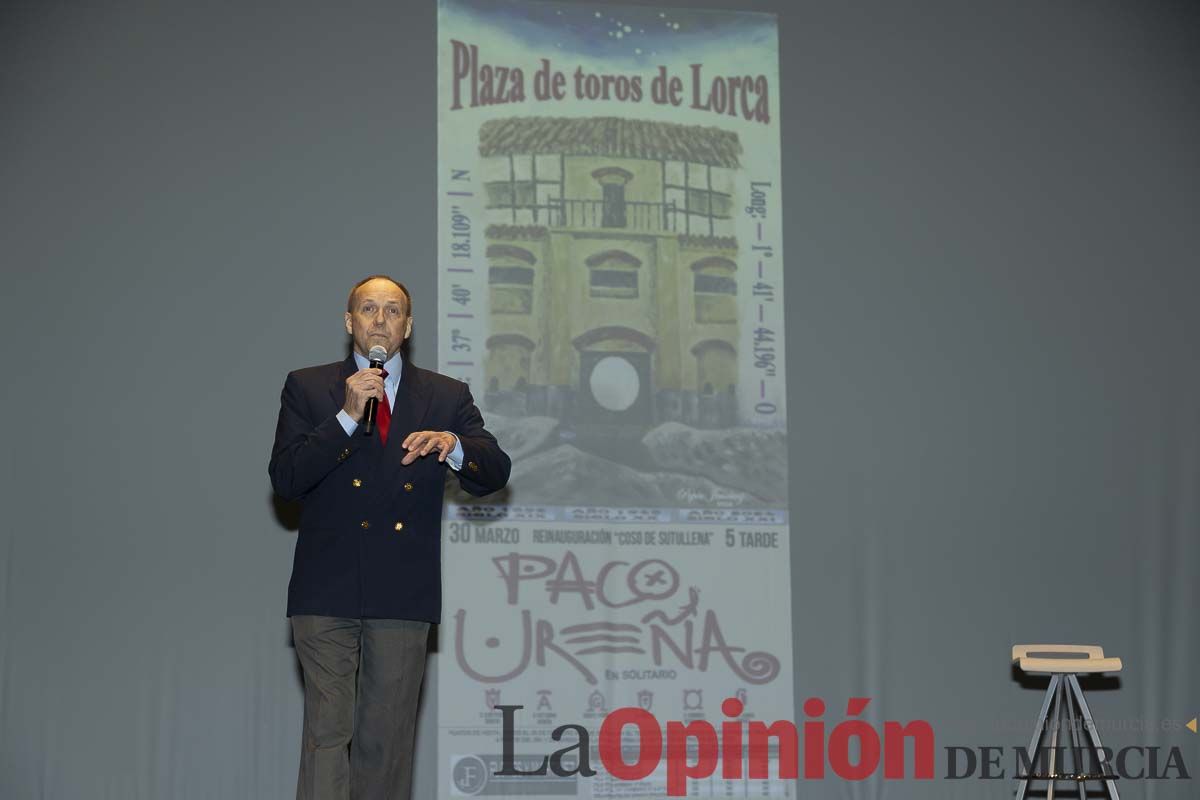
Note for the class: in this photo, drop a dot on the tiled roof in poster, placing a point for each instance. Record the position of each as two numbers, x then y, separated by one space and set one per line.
609 136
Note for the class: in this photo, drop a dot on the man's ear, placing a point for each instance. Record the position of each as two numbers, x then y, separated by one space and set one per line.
349 327
407 328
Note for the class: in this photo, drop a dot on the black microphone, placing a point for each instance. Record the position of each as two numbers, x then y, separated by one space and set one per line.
376 356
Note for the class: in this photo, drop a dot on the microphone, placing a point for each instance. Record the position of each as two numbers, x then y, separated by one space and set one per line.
377 355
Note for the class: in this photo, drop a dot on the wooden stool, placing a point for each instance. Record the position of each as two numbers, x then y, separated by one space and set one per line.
1052 660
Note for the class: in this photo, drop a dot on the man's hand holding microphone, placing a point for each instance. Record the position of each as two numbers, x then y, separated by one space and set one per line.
364 389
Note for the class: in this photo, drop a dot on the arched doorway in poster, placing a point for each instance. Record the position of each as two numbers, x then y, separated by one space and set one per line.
615 377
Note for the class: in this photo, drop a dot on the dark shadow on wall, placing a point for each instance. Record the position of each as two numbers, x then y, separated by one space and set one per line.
287 512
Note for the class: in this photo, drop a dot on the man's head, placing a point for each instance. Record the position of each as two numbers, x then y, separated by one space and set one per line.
378 312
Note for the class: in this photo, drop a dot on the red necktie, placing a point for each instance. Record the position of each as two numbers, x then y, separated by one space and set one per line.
383 416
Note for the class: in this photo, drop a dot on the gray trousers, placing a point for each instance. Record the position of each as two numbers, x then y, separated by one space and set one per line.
362 678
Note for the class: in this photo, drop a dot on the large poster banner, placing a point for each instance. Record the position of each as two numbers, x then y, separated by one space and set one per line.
610 284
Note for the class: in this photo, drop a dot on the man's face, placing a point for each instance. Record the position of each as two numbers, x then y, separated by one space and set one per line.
381 316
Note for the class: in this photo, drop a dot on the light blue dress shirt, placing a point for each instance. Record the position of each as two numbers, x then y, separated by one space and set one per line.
394 366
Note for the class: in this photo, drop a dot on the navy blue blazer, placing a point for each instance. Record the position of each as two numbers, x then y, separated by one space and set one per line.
369 543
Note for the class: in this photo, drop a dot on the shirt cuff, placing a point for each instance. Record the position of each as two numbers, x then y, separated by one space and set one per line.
349 424
455 457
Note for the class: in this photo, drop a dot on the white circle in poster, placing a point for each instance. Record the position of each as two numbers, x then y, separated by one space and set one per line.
614 383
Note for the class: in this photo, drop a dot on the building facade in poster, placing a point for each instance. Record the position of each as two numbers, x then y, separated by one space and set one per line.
628 216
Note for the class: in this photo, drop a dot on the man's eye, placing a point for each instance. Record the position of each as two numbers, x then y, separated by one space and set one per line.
393 311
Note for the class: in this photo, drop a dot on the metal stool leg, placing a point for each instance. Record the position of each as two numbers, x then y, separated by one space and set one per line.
1038 729
1058 713
1077 760
1090 725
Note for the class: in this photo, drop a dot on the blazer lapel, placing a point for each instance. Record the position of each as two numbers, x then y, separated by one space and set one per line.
408 412
337 390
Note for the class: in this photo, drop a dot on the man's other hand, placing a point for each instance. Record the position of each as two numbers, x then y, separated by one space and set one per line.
422 443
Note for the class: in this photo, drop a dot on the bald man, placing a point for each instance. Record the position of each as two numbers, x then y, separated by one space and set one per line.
366 576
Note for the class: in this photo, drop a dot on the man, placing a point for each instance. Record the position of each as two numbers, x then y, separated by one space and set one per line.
366 579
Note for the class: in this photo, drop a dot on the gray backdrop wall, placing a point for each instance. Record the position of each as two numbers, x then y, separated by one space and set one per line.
995 401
